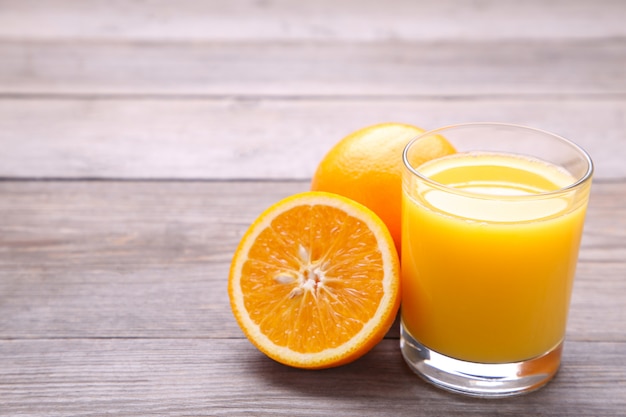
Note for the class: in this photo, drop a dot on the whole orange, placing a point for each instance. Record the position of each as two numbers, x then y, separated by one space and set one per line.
366 166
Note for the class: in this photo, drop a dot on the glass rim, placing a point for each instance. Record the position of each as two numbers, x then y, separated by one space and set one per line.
576 184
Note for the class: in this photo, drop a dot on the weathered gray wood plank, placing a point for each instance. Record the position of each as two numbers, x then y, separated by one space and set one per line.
150 259
348 20
230 377
260 138
122 259
450 68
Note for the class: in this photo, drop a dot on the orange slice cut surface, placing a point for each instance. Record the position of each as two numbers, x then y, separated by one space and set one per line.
315 282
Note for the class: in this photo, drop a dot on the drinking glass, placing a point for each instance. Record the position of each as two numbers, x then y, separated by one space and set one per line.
490 240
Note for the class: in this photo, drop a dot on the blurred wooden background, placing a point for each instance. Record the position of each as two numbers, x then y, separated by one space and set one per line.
245 89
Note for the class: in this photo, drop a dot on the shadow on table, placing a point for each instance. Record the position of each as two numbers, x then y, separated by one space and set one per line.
380 383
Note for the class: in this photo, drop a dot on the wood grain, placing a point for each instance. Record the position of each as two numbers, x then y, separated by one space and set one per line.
259 138
230 377
279 69
150 259
347 20
139 139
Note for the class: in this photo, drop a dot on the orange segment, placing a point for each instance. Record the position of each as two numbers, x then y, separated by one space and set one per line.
314 282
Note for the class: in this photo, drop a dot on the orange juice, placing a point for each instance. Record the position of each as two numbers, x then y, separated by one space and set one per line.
487 275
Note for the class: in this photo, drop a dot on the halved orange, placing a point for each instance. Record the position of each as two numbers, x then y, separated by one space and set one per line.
314 282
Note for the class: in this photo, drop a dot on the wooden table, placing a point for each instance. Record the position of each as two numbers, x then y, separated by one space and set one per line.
139 139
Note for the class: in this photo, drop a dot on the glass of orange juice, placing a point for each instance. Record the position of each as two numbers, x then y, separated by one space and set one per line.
490 239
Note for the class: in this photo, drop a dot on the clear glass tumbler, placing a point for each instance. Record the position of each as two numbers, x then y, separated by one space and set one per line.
490 240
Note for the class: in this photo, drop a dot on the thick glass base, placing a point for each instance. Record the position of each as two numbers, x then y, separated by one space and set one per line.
478 379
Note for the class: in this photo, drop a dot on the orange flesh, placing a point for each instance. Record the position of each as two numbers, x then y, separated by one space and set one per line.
325 285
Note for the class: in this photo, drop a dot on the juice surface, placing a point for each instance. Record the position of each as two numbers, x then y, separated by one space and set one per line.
489 280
